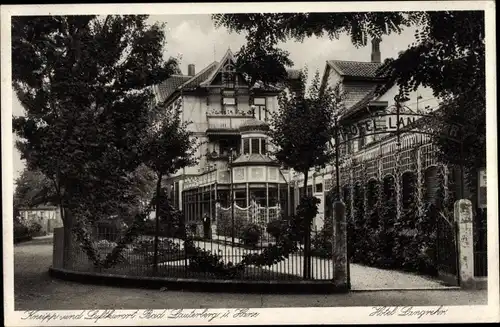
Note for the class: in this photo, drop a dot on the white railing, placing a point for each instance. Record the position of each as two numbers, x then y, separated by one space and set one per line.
219 121
255 213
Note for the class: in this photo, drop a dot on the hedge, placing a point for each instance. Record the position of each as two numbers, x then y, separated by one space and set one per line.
377 237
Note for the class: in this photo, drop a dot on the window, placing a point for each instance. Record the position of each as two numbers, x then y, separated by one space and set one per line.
228 76
263 146
229 105
260 108
255 146
259 196
362 138
259 101
319 188
224 147
309 190
273 197
223 198
246 146
231 101
240 198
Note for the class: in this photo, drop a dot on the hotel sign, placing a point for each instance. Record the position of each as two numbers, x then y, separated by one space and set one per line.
388 123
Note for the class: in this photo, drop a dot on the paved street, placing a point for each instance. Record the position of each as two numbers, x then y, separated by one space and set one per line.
34 289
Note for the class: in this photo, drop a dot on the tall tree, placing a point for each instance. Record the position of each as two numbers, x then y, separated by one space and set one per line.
301 130
448 56
84 84
168 147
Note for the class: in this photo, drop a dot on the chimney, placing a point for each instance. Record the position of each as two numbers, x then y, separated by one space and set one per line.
376 49
191 71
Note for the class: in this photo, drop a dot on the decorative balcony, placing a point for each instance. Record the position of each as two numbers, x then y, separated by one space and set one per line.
226 123
217 156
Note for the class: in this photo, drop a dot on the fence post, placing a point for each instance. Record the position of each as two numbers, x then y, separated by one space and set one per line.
463 219
58 248
339 253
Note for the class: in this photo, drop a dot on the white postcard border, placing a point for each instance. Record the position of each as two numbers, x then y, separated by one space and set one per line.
310 315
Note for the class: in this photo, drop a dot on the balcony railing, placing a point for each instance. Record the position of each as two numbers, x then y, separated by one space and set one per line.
219 121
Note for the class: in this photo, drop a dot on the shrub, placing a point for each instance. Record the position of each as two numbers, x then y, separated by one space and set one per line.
35 229
170 225
276 228
224 225
193 229
105 244
109 230
201 260
322 241
251 234
21 232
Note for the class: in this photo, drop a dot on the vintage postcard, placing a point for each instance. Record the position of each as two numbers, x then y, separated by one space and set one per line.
249 163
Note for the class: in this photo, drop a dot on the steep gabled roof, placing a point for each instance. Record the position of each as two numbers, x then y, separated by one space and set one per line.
167 87
227 56
357 69
177 82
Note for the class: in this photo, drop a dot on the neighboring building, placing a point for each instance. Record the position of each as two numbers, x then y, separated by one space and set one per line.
367 158
358 82
49 217
229 119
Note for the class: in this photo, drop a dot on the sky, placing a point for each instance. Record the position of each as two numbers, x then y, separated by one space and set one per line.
195 40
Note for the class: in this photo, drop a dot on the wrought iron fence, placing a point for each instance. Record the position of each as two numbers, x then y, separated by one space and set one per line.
175 260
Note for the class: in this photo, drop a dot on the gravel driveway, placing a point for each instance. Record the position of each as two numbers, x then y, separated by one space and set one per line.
34 289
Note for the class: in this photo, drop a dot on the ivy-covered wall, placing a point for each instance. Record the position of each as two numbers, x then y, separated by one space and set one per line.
392 220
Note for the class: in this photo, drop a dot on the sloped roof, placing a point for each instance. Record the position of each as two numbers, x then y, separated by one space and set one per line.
167 87
358 69
254 125
357 92
254 158
202 76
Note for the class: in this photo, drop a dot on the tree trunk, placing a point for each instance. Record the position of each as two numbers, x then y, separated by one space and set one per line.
307 237
68 239
157 223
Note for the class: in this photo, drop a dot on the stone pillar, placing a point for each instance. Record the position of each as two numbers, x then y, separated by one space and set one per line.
58 248
463 217
340 262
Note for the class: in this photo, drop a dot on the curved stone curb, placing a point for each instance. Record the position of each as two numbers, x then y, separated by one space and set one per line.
201 285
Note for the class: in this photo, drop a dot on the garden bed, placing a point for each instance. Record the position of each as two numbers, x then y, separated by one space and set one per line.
181 271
